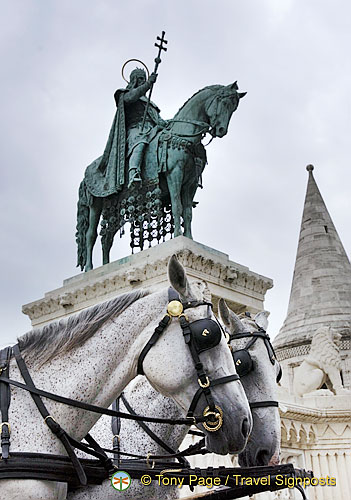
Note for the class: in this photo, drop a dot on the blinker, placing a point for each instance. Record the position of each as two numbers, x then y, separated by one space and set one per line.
205 334
243 362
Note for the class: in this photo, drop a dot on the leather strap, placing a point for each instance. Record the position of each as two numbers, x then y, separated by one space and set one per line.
263 404
116 429
154 338
5 399
104 411
49 420
150 433
218 381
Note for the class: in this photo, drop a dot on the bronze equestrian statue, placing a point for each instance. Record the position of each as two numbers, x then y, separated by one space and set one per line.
150 167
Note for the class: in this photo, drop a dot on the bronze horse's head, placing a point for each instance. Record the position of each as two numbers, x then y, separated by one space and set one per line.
221 107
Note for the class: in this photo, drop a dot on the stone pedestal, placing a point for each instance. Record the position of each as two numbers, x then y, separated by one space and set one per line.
243 289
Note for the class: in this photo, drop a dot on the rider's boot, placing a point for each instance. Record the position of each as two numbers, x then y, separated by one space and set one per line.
135 165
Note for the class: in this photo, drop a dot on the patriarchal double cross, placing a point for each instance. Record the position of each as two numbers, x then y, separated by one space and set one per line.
157 62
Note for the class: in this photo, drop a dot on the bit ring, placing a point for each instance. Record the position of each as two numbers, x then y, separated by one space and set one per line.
217 424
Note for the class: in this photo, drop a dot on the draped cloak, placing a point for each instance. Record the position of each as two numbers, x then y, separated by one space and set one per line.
106 175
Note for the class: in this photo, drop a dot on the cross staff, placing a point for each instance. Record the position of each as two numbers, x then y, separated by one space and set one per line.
157 62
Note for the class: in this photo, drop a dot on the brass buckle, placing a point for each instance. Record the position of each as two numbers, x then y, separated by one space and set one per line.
117 436
204 385
49 416
148 461
217 424
193 420
7 425
175 308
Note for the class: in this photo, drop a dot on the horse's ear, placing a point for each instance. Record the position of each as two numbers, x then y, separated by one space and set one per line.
242 94
229 318
261 320
234 86
177 276
224 312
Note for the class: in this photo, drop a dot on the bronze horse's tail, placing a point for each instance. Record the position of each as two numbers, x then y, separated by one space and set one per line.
83 204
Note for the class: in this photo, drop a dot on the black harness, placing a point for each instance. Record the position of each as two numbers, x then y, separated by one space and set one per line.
244 363
212 417
5 398
200 335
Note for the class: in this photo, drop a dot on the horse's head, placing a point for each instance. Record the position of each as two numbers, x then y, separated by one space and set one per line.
221 106
259 372
189 356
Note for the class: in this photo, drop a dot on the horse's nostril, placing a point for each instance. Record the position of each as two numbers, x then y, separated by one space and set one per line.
245 428
221 130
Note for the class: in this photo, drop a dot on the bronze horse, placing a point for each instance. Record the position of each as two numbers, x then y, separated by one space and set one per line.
175 157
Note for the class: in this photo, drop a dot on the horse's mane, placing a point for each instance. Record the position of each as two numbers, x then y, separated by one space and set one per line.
209 87
59 337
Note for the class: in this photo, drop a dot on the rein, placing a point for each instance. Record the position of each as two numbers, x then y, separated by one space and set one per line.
203 131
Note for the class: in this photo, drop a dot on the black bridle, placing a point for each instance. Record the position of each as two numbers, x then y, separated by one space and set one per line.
244 363
199 335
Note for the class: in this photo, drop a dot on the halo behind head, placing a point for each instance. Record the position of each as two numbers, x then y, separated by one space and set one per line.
135 60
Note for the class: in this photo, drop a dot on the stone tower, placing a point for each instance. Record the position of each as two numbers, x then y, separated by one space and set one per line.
316 432
321 287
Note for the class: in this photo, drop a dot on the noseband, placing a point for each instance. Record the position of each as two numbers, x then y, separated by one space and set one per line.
244 363
200 335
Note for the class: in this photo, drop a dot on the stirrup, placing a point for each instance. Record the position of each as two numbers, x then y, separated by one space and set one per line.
135 177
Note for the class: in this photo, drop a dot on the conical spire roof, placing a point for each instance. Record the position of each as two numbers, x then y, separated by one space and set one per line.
321 286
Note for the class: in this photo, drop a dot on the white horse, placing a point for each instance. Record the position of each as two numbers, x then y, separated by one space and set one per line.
92 356
260 385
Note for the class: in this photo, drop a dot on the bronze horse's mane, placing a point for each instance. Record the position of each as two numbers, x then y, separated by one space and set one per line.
209 87
59 337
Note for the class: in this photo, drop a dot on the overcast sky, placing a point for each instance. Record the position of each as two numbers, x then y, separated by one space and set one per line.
60 65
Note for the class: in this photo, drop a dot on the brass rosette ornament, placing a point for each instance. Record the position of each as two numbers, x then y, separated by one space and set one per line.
175 308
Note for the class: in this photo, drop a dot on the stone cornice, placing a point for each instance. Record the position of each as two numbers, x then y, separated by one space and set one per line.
313 415
140 270
304 348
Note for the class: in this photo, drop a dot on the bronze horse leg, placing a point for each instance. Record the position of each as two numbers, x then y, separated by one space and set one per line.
94 217
107 245
190 185
174 176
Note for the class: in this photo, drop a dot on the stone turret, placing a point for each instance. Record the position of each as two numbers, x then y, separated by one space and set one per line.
321 287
